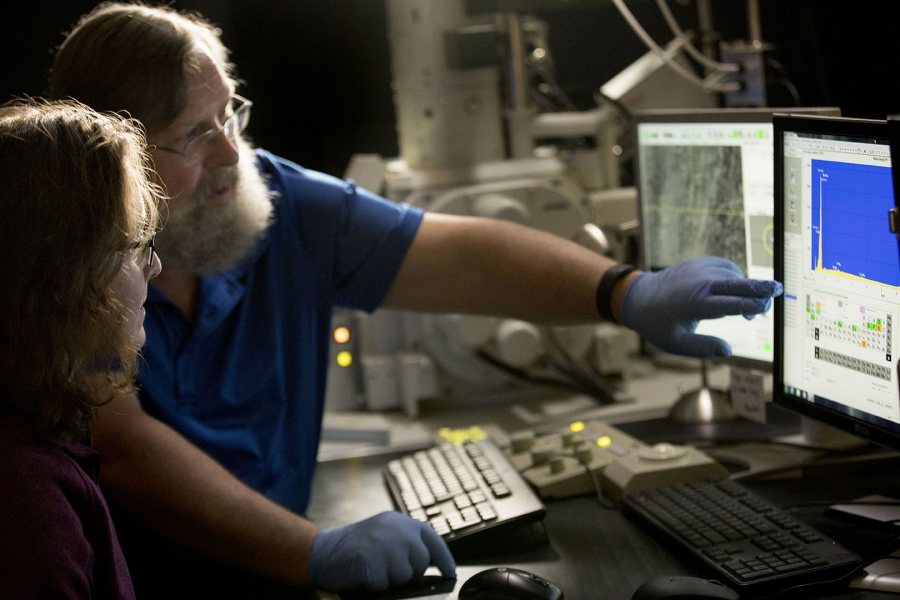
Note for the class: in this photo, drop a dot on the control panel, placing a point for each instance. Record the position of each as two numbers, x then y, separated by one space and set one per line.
587 457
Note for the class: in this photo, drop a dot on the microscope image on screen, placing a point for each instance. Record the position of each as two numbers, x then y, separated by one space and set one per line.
696 201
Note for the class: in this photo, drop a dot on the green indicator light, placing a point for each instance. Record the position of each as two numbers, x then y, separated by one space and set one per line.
767 346
840 324
854 328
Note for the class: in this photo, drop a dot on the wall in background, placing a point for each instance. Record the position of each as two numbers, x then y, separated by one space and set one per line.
319 71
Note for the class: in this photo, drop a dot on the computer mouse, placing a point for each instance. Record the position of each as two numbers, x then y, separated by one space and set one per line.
684 587
506 583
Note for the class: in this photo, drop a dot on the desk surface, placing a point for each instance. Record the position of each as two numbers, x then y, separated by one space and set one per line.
587 549
597 552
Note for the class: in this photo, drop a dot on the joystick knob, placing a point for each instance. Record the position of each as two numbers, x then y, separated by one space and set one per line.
557 465
541 455
522 441
570 438
584 454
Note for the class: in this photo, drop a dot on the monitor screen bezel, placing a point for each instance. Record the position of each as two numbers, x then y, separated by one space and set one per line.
708 115
816 125
893 129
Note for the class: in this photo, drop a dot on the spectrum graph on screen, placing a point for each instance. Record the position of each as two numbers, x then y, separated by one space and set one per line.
849 203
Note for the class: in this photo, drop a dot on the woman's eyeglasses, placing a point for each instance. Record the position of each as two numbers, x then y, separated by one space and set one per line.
143 252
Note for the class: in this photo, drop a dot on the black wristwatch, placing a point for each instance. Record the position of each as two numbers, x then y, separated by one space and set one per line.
608 282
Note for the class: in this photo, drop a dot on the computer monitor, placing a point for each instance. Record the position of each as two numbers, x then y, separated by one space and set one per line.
836 326
704 182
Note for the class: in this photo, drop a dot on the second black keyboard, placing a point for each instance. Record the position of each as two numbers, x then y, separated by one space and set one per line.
754 546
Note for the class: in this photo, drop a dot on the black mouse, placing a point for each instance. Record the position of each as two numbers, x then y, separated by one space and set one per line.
683 587
505 583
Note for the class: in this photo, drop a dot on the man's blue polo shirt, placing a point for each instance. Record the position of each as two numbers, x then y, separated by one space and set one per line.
246 381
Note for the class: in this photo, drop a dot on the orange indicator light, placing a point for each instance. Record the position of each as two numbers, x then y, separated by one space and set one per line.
341 334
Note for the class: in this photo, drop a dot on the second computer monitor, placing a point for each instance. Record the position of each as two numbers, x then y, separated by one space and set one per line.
705 188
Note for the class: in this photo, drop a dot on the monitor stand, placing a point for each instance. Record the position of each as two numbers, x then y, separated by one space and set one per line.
704 404
815 434
877 508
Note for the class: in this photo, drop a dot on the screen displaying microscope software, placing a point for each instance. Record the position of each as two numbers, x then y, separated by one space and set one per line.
705 186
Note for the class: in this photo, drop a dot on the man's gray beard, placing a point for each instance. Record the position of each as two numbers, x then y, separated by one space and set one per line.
207 239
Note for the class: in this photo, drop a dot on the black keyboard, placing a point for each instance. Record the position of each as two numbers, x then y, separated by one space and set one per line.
462 491
751 544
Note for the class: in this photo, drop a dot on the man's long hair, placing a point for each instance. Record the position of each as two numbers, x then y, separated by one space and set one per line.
134 57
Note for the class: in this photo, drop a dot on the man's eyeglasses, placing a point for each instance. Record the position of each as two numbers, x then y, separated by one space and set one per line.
143 252
234 124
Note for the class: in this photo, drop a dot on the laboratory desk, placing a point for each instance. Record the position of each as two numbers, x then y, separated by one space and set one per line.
594 551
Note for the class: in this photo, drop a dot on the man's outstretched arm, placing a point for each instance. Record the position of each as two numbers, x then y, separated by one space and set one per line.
483 266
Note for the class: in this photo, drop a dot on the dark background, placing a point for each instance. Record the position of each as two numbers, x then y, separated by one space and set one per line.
319 70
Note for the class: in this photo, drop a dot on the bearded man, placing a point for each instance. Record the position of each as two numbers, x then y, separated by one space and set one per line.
217 454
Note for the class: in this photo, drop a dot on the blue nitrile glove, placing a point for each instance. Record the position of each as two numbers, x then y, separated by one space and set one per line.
665 306
387 549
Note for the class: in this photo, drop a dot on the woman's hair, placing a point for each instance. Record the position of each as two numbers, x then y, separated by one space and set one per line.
75 195
134 57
